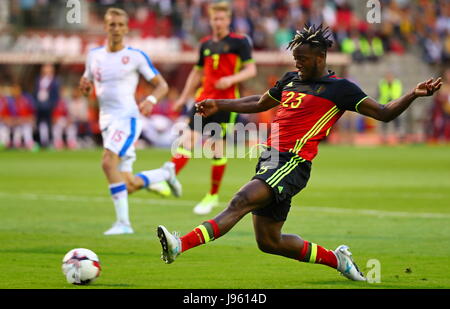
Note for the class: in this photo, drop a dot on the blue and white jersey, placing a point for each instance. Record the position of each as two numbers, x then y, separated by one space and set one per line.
115 76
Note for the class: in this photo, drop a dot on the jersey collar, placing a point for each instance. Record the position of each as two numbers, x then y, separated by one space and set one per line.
324 78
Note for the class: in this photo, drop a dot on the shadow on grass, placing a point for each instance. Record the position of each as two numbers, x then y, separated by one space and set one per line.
115 285
339 284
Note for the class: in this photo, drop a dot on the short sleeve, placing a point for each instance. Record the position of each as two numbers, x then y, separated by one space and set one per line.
201 57
245 50
146 67
277 90
349 95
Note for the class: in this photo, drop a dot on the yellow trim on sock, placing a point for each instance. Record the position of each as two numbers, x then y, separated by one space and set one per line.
221 161
184 152
204 232
313 256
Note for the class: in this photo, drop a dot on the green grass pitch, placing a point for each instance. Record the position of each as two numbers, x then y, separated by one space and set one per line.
389 203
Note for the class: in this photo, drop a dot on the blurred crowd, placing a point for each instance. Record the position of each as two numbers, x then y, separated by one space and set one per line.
179 24
55 116
52 112
439 126
48 116
271 23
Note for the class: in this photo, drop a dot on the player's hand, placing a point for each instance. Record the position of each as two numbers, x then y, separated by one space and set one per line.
206 107
145 107
224 83
178 105
428 87
85 86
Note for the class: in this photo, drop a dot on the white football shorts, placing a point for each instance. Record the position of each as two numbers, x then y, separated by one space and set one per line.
119 137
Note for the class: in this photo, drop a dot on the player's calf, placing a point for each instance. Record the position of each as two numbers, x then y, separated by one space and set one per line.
134 183
147 179
238 207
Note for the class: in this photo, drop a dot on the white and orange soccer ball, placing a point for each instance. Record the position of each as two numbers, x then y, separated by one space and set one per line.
81 266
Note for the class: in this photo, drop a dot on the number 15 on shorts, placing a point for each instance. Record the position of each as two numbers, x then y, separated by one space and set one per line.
117 136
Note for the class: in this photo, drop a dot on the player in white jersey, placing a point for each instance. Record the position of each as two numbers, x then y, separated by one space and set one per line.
114 72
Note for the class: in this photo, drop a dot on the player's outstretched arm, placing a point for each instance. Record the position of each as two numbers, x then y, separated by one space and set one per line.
393 109
245 105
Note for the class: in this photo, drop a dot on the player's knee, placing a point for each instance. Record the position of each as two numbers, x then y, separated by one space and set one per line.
108 162
239 202
132 185
106 165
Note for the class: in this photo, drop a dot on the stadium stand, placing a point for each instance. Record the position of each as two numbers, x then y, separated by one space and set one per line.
413 39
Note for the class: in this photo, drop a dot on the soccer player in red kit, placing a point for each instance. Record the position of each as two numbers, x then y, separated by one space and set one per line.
224 61
310 101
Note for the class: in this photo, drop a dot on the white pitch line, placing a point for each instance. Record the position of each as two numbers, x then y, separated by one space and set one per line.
189 203
376 213
394 195
92 199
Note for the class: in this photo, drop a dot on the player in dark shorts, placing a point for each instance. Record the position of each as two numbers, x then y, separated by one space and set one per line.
222 119
310 101
225 60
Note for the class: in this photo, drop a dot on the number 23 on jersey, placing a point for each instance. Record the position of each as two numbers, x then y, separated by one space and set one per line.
293 99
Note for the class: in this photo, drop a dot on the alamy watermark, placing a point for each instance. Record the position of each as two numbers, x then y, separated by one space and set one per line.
374 14
228 140
374 273
73 15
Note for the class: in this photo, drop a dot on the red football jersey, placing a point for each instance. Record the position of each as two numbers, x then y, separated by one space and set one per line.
219 59
308 110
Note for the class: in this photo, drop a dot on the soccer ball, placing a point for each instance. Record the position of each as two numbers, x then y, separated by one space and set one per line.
81 266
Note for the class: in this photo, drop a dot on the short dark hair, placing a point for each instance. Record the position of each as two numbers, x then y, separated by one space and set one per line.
317 37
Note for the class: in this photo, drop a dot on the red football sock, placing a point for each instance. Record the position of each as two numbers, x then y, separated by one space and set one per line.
180 159
314 253
217 171
205 232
